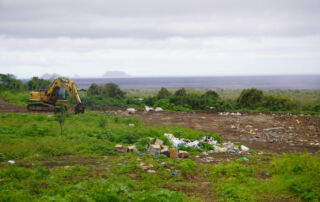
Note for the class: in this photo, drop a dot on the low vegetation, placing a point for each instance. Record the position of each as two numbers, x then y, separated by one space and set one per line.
81 165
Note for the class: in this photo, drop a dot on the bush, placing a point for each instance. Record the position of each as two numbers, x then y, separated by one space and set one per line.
250 98
188 166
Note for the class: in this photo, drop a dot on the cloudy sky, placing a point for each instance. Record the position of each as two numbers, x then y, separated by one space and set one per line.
159 38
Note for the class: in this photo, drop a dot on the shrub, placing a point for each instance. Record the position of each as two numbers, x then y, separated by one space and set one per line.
188 166
250 98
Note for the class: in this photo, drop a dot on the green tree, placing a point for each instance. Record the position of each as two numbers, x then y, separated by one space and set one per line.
163 93
60 116
37 83
112 90
94 89
181 92
250 98
9 82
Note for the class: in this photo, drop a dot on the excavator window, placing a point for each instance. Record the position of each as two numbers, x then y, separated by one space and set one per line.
62 95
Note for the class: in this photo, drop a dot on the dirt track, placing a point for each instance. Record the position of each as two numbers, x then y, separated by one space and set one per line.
269 132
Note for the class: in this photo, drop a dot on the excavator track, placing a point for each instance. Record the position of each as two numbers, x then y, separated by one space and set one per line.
39 107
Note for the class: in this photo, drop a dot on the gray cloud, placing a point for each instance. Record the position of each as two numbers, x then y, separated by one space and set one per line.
159 19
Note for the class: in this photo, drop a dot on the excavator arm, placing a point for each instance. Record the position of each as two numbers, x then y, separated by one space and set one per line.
69 86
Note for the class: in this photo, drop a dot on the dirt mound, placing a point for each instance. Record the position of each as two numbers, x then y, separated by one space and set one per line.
6 107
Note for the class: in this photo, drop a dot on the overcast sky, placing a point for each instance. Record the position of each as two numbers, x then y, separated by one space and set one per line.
159 37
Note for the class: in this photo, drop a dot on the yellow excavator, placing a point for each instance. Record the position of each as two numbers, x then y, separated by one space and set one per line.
46 100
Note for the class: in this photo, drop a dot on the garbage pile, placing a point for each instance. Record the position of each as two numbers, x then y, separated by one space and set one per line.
155 149
219 148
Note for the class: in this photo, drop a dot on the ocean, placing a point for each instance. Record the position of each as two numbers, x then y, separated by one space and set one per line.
212 82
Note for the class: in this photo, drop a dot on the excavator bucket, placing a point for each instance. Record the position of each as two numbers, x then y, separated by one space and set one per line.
79 109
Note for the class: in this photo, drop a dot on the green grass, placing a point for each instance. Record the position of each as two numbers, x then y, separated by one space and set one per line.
82 165
16 97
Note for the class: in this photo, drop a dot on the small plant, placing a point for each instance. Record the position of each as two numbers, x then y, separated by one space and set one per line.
102 122
188 167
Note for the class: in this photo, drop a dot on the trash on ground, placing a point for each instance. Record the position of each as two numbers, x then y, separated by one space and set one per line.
151 171
121 148
11 162
173 153
158 109
146 165
131 110
154 149
243 159
131 124
148 109
158 142
183 154
132 148
175 173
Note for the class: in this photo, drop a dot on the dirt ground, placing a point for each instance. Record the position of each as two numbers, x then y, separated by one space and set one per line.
5 107
269 132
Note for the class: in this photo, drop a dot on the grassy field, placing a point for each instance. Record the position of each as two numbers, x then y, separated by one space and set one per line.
81 165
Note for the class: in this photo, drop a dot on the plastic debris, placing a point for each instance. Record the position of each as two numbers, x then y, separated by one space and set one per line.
148 109
131 124
174 141
243 159
151 171
232 151
131 110
158 109
11 162
141 154
175 173
244 148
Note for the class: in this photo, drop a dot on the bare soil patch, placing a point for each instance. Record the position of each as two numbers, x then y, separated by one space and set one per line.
269 132
6 107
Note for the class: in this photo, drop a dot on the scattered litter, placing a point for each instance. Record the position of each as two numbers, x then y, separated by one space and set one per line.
173 153
298 122
274 136
155 149
276 128
252 131
205 153
142 154
175 173
121 148
211 152
183 154
131 110
174 141
11 162
159 109
146 165
158 142
244 148
132 148
243 159
151 171
148 109
131 124
231 151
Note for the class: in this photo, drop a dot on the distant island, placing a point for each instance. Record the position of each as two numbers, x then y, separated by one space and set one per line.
115 74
